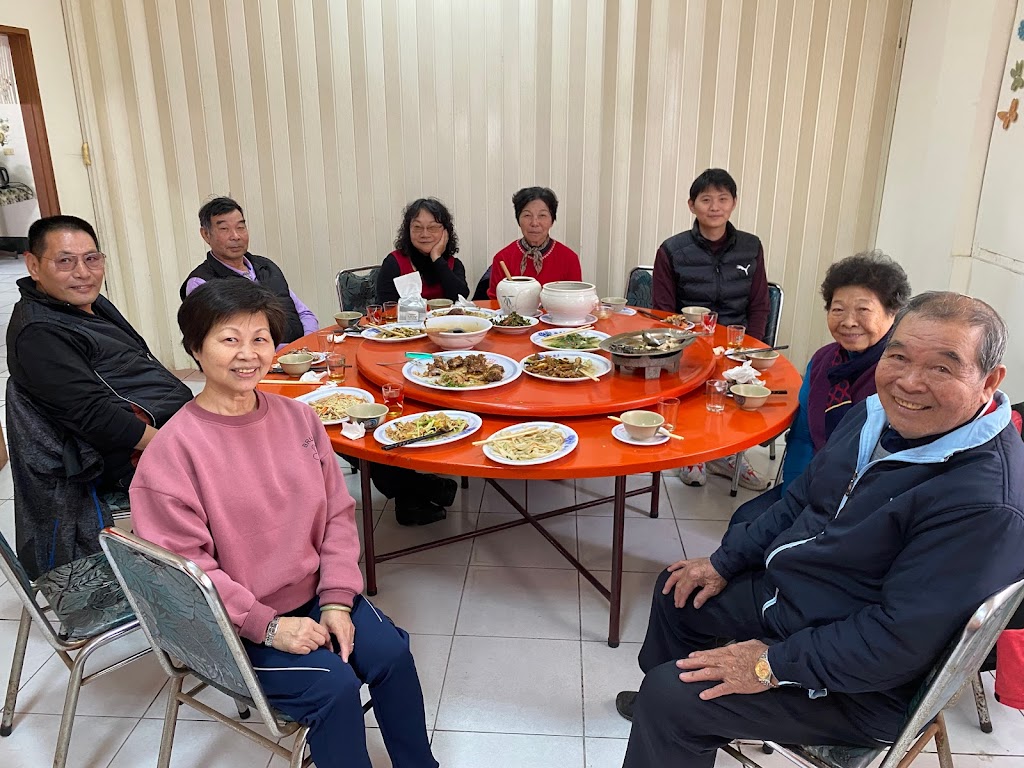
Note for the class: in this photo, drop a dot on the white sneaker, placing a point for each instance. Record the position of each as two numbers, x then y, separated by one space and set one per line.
694 475
748 477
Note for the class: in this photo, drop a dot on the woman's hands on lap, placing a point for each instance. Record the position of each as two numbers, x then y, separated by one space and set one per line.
339 624
300 635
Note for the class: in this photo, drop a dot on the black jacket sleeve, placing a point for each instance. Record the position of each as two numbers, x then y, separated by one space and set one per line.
389 270
57 375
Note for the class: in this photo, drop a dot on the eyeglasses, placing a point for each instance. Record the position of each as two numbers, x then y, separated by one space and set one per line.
430 229
67 262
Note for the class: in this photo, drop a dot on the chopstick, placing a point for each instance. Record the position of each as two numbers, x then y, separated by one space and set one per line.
749 350
400 443
651 315
510 436
567 333
661 430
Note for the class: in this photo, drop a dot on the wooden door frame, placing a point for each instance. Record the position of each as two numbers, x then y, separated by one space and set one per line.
35 125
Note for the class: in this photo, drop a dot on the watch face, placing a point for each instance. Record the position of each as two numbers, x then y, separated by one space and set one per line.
763 670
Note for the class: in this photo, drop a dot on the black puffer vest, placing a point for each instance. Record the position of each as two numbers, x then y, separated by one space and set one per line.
269 275
116 353
720 282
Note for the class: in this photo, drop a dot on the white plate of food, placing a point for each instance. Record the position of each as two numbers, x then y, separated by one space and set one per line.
330 403
460 423
393 332
533 442
558 365
559 339
678 321
619 433
483 312
461 371
514 323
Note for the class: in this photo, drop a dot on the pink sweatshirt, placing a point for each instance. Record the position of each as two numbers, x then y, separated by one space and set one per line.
258 502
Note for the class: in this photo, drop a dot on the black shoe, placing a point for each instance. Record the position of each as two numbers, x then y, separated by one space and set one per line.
441 490
624 701
418 512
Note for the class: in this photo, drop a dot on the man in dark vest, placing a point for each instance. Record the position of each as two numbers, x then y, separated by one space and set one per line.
717 266
222 225
85 397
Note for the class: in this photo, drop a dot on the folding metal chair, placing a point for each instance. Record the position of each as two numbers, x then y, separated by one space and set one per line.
638 287
93 612
191 633
925 723
357 288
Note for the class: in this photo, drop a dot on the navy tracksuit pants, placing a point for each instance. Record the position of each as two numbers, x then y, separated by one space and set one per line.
321 691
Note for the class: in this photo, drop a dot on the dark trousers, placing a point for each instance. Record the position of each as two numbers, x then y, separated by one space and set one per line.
672 726
321 691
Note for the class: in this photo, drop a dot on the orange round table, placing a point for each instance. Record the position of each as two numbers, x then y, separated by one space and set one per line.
584 406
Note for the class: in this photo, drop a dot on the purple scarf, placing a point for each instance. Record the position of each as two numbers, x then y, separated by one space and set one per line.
839 380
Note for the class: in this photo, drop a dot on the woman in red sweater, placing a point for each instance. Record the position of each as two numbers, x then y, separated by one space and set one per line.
246 485
535 254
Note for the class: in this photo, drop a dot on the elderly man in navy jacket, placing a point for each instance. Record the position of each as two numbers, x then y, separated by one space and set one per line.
844 593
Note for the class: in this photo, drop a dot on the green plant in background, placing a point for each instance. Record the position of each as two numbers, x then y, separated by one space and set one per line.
5 131
1017 73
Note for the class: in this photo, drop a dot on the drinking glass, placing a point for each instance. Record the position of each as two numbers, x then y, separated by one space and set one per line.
374 314
735 336
394 398
390 311
709 322
336 367
325 342
714 395
668 407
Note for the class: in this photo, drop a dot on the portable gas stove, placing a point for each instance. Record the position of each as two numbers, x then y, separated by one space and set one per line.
650 352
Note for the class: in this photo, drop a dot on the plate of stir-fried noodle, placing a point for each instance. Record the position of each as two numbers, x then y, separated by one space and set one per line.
533 442
455 425
331 403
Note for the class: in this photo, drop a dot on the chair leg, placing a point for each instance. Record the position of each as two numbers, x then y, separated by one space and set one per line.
942 743
736 474
465 482
67 719
299 748
20 647
170 721
771 449
243 710
981 703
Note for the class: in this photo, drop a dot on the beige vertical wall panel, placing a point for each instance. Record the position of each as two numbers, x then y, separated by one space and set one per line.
325 118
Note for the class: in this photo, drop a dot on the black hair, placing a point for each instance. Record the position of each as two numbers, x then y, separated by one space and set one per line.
437 209
215 301
874 271
217 207
40 229
717 178
527 195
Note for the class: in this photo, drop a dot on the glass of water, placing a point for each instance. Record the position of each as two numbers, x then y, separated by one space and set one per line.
714 395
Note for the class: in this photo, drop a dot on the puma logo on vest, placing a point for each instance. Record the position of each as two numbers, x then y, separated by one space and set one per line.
746 269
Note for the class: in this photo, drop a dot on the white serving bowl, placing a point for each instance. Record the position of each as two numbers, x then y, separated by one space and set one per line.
459 332
569 301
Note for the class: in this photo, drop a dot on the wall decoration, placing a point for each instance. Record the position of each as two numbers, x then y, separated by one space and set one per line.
1020 30
1009 117
1017 75
5 131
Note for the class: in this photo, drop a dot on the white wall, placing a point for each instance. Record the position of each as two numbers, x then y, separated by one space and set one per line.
944 117
44 20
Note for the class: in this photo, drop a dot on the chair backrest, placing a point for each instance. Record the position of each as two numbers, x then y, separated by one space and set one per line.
357 288
958 666
183 617
480 294
775 297
23 587
638 287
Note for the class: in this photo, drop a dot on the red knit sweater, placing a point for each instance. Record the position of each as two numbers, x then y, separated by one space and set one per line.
561 263
258 502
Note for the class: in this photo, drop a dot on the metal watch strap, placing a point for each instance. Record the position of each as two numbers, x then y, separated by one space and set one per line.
271 631
763 663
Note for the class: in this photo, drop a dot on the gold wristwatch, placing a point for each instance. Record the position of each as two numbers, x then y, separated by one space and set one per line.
763 670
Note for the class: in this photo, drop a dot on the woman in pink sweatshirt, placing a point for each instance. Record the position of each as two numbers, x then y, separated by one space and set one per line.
246 485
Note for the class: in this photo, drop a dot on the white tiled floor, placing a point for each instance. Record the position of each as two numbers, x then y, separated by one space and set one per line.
509 642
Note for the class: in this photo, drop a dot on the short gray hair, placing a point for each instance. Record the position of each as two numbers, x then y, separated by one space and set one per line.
953 307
